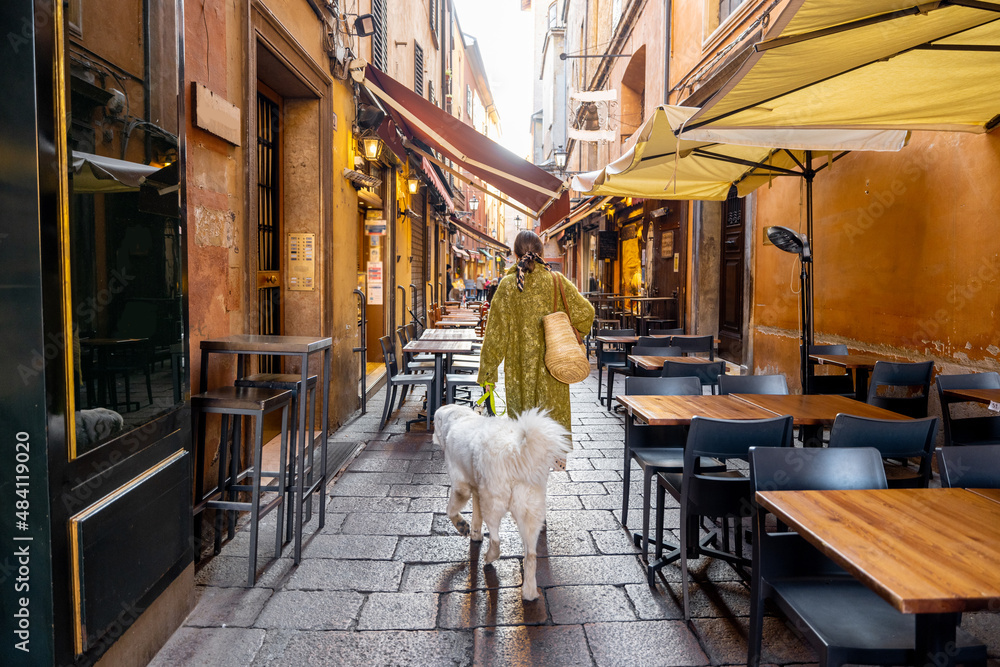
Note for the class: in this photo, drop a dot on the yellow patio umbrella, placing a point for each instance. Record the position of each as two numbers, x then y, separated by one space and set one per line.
867 64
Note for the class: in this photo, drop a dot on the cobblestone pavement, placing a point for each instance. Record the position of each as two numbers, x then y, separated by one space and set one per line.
388 581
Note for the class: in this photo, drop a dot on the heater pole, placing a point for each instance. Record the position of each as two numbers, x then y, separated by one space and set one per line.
807 266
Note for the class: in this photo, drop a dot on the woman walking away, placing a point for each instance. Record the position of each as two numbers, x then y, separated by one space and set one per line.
514 333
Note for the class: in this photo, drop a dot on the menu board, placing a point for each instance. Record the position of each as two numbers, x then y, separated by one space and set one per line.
607 245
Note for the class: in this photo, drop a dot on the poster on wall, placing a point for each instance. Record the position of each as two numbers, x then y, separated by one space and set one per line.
374 223
374 282
667 244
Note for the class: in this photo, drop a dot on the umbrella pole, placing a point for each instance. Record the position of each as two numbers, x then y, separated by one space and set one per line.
806 287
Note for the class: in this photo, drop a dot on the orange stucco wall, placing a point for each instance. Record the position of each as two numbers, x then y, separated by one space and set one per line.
907 261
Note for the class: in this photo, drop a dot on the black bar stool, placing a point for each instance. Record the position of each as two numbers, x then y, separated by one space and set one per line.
232 403
296 458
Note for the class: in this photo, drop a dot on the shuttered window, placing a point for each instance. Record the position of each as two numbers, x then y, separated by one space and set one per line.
380 38
418 69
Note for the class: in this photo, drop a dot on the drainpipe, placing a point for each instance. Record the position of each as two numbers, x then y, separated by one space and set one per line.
667 9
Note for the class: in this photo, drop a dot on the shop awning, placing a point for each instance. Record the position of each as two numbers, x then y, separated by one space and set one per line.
460 252
96 173
662 166
868 64
486 254
438 185
582 211
485 239
517 178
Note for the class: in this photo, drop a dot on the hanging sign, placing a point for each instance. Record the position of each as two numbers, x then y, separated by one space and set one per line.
374 282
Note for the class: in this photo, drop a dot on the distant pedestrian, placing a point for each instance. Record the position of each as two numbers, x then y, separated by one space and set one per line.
480 287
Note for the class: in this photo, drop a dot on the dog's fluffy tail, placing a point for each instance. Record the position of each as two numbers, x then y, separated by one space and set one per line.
544 436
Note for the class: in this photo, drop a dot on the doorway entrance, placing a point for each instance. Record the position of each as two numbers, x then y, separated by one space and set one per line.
731 278
269 279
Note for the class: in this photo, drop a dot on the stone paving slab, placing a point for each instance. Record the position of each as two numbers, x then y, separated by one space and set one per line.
644 643
552 646
387 648
399 611
345 575
227 607
490 608
311 610
570 605
219 647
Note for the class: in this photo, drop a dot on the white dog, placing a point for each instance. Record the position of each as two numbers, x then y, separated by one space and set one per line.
503 464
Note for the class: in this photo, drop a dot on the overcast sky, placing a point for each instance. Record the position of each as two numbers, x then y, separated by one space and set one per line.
504 33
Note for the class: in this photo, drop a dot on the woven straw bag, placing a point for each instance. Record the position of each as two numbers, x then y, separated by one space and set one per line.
565 354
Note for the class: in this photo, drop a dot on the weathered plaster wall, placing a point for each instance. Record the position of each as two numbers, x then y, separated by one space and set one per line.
907 262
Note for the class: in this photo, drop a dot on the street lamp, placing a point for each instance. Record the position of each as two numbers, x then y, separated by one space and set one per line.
371 146
473 203
413 184
787 240
517 222
561 157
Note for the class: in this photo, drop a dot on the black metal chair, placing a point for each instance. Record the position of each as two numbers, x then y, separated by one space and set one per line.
651 341
695 345
842 619
707 372
720 495
836 381
977 430
901 387
895 439
752 384
393 379
632 370
678 331
610 357
969 467
655 448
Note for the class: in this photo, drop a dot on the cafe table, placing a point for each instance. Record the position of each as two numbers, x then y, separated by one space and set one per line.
457 323
992 494
986 396
440 349
303 347
451 334
928 552
652 362
813 412
859 364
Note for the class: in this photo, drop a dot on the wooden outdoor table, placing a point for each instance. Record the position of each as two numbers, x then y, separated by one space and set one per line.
929 552
813 412
986 396
445 323
860 364
678 410
439 348
816 409
451 334
652 362
992 494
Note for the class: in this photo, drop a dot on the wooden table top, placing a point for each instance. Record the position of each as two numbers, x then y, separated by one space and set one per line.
110 342
986 396
438 346
267 344
635 338
922 550
678 410
652 362
992 494
848 360
456 323
816 409
450 334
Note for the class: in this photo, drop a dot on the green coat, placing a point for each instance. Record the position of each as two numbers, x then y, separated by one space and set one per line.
514 335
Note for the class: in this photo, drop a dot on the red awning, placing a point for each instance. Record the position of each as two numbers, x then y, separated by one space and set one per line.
517 178
480 236
438 185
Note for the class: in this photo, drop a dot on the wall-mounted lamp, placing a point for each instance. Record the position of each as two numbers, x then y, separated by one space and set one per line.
561 157
371 146
473 203
413 184
517 222
364 25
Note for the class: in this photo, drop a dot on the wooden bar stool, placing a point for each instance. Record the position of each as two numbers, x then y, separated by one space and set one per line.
233 403
297 454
